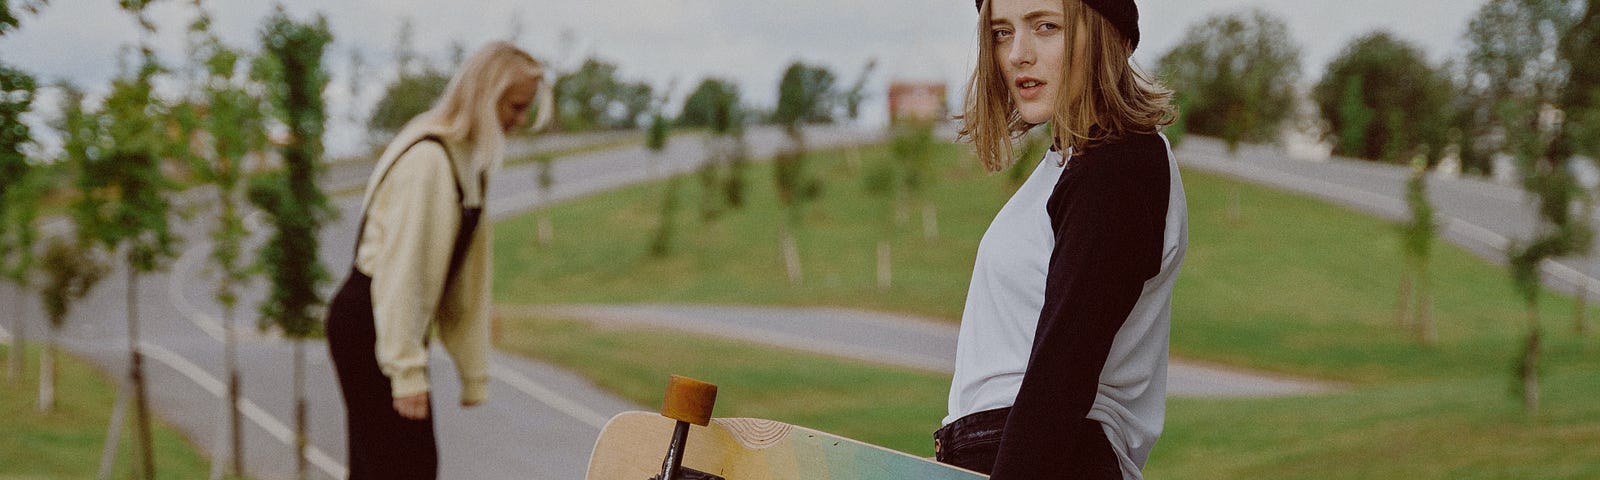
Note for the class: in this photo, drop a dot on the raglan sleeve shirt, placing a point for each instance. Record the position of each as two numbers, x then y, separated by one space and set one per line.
1108 214
411 224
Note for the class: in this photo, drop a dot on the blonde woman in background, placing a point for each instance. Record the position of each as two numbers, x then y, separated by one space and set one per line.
422 260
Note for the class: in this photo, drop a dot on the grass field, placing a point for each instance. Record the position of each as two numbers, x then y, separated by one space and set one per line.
67 442
1296 286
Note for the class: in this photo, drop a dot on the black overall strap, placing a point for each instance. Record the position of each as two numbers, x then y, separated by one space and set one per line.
461 196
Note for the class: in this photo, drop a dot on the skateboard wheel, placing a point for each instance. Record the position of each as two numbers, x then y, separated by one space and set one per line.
689 400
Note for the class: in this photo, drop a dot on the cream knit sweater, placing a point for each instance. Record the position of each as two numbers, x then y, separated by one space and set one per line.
412 219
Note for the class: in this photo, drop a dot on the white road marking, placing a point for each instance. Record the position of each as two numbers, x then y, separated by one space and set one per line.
207 323
250 409
546 396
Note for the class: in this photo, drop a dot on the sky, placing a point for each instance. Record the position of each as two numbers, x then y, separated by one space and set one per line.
678 42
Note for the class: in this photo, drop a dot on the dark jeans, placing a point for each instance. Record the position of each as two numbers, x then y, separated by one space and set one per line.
972 442
381 443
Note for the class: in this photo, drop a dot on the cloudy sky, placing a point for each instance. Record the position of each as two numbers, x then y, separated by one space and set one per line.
662 41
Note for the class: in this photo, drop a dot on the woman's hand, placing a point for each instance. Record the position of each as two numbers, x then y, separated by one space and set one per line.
414 407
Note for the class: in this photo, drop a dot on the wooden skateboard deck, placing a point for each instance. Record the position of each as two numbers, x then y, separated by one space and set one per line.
632 445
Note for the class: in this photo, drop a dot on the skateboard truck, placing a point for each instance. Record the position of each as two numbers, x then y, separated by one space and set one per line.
687 401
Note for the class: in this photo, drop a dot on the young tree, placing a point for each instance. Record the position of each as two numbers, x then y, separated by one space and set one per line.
1515 65
714 104
1416 290
1383 101
912 147
1234 74
656 141
123 194
805 95
291 68
18 202
856 94
1581 103
70 271
234 124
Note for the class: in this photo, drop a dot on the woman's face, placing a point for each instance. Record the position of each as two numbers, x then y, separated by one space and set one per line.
1030 45
514 104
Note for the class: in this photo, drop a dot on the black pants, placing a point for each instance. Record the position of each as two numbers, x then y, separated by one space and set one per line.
972 442
382 444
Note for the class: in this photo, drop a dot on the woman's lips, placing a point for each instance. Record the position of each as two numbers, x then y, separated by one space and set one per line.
1029 88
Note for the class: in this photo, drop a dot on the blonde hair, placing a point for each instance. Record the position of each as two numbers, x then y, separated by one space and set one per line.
466 115
1117 99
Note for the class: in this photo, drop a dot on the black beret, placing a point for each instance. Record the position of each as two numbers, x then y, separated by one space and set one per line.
1123 14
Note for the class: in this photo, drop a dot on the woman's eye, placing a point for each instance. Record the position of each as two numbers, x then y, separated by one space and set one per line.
1047 27
1001 35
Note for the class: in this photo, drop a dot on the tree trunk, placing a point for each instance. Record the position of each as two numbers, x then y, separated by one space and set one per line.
1580 313
301 435
1530 366
885 275
19 339
141 408
791 256
1426 332
235 433
1402 310
47 373
108 455
547 232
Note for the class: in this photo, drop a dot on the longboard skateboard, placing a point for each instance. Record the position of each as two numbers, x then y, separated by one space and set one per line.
640 446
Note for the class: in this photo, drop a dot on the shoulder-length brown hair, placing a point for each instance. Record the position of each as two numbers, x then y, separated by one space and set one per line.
1117 99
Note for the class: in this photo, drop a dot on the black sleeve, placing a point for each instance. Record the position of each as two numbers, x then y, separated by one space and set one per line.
1108 212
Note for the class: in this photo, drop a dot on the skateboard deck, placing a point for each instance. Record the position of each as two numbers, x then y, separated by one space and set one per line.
631 447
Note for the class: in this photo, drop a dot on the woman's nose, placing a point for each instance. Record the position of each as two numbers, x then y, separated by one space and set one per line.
1022 51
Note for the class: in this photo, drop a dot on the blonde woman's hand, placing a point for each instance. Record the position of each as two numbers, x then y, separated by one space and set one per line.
414 407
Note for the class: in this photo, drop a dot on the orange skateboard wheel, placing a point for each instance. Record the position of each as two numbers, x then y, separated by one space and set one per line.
689 400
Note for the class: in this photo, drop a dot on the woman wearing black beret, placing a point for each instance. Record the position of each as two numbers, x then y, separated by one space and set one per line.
1061 365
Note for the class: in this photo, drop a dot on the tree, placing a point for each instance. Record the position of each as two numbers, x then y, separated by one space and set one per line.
232 119
712 103
856 94
123 202
1581 99
1581 102
1417 235
656 141
1383 101
593 97
291 68
805 94
18 202
1234 74
1514 66
10 20
410 94
70 270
